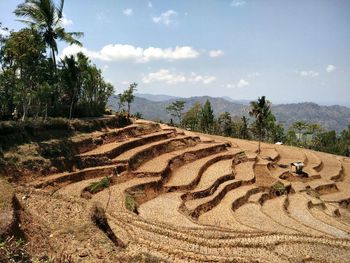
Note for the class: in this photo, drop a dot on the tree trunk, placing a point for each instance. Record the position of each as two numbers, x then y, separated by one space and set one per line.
53 58
128 109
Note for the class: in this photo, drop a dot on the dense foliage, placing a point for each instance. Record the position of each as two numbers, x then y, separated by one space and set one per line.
264 127
32 83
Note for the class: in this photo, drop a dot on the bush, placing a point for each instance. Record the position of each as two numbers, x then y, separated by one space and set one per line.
12 250
96 187
131 204
279 189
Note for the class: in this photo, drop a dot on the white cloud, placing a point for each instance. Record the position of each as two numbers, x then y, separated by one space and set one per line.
128 12
164 75
215 53
238 3
66 21
4 32
172 77
240 84
119 52
254 75
194 78
149 4
125 82
165 18
331 68
309 74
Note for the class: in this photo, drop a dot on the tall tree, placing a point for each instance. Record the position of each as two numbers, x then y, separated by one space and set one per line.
243 130
22 60
175 109
191 118
225 124
46 17
261 110
207 117
300 127
71 78
128 96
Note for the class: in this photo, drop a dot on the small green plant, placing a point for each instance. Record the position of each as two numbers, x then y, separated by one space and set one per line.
96 187
12 250
131 204
279 189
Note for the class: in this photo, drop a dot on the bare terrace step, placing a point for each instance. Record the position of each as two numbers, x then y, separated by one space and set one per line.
320 214
245 171
332 167
159 163
188 173
222 215
214 172
164 209
194 203
99 138
113 149
251 215
323 186
289 154
337 197
276 209
79 175
138 155
298 209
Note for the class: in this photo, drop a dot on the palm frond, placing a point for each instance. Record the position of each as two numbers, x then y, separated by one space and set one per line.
60 9
68 36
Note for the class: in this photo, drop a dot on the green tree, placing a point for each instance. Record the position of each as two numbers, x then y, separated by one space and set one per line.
345 141
225 124
128 96
207 117
261 110
175 109
46 17
243 130
23 65
300 128
70 75
191 118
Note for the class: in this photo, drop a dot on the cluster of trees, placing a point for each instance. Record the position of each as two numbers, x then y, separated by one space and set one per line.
33 83
261 126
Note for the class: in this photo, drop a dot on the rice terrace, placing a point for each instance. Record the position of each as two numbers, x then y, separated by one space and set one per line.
92 172
188 197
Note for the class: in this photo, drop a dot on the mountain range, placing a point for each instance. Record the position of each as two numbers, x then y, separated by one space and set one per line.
153 107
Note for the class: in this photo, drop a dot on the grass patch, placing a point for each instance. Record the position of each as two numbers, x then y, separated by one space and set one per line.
96 187
6 194
131 204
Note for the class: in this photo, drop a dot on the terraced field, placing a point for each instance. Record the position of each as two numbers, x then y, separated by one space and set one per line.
178 196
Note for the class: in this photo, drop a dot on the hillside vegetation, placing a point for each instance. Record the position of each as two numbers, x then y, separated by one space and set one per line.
330 117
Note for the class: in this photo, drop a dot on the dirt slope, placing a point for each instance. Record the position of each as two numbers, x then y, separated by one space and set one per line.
180 196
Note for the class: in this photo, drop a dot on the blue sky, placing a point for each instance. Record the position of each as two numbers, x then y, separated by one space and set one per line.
287 50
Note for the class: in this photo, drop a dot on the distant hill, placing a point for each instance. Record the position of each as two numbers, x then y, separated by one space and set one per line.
331 117
153 97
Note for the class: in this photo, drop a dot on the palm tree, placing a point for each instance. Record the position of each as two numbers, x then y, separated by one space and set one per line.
46 17
71 79
261 110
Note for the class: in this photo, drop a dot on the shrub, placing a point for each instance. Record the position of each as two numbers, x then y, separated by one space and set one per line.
131 204
12 250
279 189
96 187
